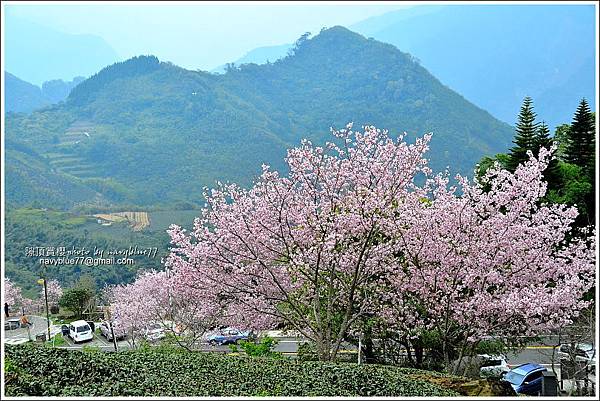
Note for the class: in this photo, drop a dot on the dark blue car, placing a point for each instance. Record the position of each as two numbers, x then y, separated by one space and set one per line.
526 378
229 336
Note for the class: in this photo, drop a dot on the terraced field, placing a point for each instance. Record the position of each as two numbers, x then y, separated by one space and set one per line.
136 220
61 156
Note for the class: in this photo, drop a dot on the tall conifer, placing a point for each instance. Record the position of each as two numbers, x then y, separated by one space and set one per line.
581 148
526 136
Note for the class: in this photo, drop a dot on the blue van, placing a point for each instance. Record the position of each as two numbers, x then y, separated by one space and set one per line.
526 378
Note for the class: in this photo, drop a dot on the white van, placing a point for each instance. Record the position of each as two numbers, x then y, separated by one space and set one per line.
493 365
80 331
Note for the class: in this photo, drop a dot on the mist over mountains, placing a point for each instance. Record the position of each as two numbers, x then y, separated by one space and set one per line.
494 55
548 53
24 97
36 53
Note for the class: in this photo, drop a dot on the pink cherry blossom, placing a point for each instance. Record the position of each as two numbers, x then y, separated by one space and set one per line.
12 293
54 292
350 232
158 298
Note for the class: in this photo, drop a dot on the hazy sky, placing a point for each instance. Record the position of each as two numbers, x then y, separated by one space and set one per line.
195 35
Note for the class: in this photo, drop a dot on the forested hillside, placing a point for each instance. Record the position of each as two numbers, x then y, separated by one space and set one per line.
132 132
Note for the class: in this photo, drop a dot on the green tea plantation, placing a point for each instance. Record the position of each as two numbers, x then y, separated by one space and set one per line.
41 371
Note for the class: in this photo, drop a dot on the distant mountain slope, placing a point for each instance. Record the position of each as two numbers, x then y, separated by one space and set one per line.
495 55
21 96
260 55
58 90
160 133
36 53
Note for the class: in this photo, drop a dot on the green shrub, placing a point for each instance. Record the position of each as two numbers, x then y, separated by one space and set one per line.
491 347
262 348
48 371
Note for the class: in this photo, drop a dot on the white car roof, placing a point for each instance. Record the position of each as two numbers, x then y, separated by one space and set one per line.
79 323
488 356
582 346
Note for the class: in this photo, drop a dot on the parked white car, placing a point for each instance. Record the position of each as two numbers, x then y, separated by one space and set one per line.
80 331
493 366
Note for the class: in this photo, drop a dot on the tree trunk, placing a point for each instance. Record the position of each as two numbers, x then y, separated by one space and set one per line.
324 350
418 356
460 358
446 353
407 345
369 350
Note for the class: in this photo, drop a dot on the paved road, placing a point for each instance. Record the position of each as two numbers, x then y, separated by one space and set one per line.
38 326
289 346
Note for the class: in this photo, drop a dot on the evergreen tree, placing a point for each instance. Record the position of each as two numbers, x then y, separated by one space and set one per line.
542 136
581 146
526 137
581 151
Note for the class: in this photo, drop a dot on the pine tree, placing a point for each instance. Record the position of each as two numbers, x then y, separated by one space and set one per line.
542 136
526 136
581 151
581 148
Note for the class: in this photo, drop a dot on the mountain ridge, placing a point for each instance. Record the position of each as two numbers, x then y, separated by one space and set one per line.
29 45
137 126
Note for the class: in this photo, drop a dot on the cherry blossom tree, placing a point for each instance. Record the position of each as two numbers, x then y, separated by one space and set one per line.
132 306
156 297
348 233
191 309
54 292
307 249
31 306
493 261
12 293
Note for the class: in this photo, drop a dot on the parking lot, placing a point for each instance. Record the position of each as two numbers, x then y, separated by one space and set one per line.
98 341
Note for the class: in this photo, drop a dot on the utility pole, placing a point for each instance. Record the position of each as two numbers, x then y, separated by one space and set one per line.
47 309
43 281
112 332
360 348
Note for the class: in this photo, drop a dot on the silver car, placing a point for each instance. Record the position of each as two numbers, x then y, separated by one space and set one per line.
583 352
107 333
12 323
154 332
